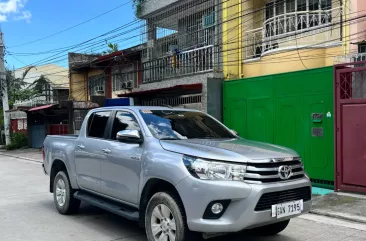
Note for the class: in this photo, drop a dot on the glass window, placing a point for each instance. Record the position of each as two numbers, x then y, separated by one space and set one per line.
269 10
180 125
97 124
124 121
362 48
326 4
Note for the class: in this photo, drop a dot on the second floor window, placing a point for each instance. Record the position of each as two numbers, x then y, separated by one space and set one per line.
284 16
96 85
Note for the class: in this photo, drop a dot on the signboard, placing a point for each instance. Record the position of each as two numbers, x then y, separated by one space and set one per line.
317 131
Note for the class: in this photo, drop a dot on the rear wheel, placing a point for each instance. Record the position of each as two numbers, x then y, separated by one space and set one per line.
63 195
272 229
165 219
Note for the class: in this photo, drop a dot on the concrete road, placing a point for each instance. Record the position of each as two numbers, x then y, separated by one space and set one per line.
27 213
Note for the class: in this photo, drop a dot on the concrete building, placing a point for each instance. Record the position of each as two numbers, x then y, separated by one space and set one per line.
56 90
181 64
279 36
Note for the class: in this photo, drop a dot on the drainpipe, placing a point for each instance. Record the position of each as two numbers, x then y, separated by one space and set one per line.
240 52
341 20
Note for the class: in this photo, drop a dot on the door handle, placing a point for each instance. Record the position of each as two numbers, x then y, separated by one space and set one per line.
107 151
81 146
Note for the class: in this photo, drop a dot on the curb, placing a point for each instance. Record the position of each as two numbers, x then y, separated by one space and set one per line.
342 216
19 157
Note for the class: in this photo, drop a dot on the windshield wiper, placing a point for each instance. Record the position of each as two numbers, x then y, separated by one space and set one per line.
169 139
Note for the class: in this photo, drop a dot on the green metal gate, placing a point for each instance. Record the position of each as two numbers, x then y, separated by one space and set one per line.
291 109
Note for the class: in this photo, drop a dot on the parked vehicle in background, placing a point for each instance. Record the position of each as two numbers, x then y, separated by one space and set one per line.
179 173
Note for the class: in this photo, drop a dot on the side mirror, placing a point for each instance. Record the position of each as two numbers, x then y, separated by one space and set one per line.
129 136
234 132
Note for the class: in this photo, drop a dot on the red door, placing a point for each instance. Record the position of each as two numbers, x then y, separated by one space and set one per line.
350 132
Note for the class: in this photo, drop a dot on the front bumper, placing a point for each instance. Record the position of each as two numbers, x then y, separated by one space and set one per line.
197 194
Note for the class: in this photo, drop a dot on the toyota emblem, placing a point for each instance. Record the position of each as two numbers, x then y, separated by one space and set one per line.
285 172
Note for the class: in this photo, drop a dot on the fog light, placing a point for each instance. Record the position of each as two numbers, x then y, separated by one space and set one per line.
217 208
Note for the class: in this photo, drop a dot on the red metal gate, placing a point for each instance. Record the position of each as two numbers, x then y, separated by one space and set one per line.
59 129
350 113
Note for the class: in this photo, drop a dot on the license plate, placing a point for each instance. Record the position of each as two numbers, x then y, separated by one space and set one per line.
287 209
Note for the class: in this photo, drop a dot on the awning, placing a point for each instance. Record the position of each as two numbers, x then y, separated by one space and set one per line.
174 90
41 107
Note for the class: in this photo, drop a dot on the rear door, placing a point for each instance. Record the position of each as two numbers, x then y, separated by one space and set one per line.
89 151
121 169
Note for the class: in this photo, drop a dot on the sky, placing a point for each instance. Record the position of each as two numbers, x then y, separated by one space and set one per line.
23 21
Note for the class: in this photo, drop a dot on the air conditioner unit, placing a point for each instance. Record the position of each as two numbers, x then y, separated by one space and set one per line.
124 85
129 84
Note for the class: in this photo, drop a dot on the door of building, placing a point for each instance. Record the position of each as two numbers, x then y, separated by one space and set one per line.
350 105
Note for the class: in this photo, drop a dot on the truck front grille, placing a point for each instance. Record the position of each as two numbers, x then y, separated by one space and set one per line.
267 172
273 198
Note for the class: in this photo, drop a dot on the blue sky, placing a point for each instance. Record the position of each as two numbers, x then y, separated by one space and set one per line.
23 21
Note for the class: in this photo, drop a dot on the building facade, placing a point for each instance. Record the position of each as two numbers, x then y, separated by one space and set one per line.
99 77
279 36
57 88
181 62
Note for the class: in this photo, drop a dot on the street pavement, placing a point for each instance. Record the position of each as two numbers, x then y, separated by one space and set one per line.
27 213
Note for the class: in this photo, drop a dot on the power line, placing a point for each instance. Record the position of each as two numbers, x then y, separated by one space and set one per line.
74 26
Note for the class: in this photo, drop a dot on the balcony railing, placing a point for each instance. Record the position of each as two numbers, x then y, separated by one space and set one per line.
351 58
290 30
194 61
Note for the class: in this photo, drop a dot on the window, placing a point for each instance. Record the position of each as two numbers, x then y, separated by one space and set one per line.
97 124
180 125
96 85
124 121
290 15
362 48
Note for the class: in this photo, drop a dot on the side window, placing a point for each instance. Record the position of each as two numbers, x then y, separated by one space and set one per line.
97 123
124 121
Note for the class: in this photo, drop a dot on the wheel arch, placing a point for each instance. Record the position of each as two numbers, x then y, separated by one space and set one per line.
153 186
57 166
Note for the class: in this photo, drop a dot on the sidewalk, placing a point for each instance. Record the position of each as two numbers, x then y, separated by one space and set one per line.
351 207
34 155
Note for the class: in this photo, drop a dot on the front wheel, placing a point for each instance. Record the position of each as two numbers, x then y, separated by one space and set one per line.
273 229
165 219
63 195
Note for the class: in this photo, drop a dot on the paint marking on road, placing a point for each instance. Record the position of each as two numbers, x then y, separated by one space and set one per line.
333 221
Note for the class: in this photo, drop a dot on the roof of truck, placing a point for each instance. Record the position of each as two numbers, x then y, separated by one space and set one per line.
137 108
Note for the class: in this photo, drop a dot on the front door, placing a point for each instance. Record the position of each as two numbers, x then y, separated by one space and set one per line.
89 151
121 170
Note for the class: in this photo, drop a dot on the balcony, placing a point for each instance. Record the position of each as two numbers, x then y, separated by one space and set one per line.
199 60
150 6
351 58
293 30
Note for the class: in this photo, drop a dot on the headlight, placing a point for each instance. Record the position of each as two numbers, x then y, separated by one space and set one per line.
212 170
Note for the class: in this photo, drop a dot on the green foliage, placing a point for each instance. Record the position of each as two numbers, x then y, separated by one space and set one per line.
18 140
19 90
138 6
111 49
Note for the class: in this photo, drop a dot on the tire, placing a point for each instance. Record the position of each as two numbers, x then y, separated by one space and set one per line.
272 229
162 203
63 195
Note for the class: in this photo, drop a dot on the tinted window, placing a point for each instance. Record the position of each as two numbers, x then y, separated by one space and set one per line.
165 124
97 123
124 121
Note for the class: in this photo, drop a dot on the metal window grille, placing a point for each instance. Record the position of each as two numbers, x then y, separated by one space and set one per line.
96 85
284 17
174 101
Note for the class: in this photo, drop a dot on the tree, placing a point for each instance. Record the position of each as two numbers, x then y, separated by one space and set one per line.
20 90
111 49
138 6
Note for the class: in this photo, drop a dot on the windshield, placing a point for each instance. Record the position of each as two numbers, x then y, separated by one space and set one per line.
180 125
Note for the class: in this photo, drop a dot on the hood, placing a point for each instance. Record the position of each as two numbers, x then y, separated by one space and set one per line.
234 150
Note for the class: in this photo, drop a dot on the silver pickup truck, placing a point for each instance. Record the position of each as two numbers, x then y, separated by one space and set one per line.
180 173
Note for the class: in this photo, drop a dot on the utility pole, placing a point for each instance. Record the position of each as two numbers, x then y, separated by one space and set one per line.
4 89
